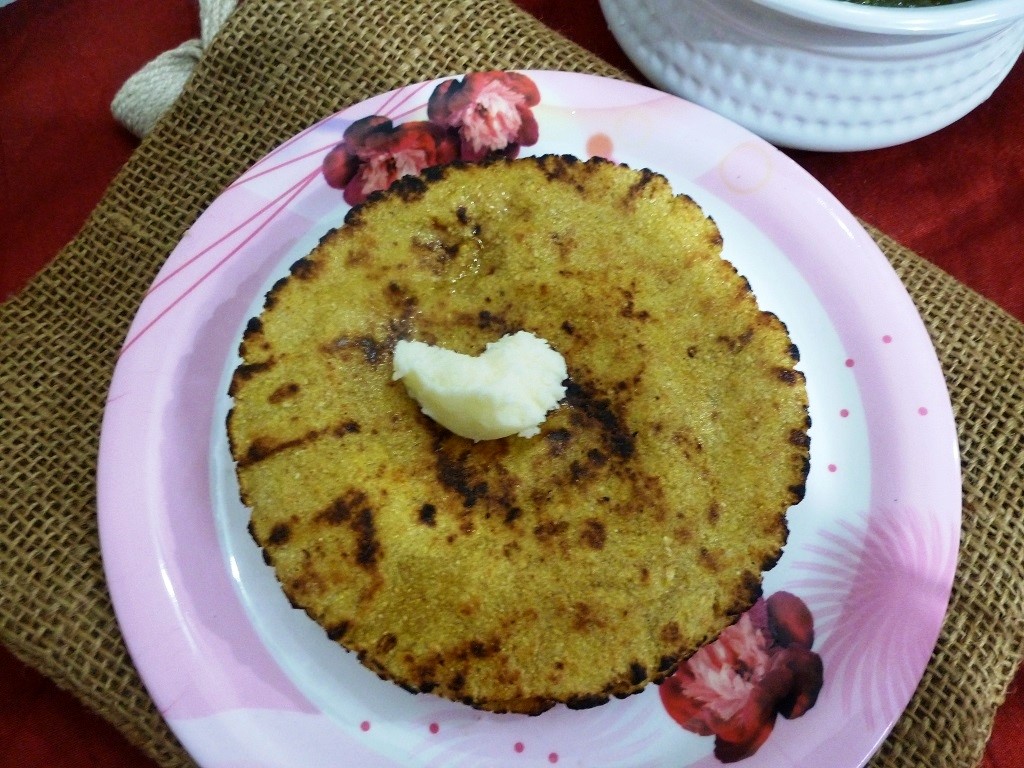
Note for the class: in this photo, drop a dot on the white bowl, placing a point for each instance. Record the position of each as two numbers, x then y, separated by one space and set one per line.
824 74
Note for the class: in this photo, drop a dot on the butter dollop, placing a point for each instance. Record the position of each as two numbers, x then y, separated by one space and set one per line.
507 390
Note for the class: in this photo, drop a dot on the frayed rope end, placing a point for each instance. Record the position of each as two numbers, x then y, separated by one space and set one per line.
150 92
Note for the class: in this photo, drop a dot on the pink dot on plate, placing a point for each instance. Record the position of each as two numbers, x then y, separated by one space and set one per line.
519 747
844 413
887 339
434 727
553 757
849 362
600 145
923 411
365 725
832 467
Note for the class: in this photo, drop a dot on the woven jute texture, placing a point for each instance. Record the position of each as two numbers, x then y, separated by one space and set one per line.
275 69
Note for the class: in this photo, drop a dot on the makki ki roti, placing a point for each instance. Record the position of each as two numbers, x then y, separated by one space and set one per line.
514 574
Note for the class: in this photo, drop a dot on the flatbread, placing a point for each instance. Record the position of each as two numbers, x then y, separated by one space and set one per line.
515 574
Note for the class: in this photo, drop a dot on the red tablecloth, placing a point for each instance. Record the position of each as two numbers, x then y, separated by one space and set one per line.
955 197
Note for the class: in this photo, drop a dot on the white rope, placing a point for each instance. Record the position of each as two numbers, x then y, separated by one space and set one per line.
151 91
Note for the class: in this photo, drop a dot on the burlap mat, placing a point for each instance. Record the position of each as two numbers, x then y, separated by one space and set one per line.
275 69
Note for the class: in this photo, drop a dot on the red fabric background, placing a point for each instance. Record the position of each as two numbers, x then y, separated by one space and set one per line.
955 197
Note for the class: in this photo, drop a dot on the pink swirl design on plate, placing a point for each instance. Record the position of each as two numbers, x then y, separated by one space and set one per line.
876 600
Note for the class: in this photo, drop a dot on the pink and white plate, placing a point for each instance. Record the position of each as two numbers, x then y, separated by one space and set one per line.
245 680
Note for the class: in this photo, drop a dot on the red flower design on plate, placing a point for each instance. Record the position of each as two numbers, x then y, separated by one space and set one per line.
492 112
758 668
374 153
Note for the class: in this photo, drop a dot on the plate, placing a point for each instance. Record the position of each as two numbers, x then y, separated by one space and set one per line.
244 679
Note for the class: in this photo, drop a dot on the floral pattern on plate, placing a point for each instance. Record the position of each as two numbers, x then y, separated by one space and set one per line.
484 114
760 667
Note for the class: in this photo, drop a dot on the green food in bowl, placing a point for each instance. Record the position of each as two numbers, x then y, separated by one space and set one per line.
906 3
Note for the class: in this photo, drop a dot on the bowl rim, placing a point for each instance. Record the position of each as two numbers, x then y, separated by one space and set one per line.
941 19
